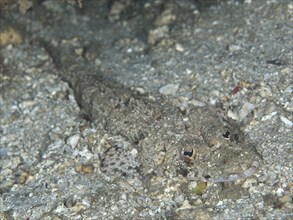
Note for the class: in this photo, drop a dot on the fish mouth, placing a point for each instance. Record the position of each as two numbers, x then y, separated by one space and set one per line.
230 177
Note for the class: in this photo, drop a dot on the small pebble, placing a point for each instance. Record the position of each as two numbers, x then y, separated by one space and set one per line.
23 177
78 51
246 109
10 36
86 154
73 140
4 151
179 199
156 34
134 152
140 90
249 183
289 89
185 205
196 103
169 89
232 115
269 116
165 18
78 207
188 71
286 121
285 199
84 168
200 188
280 192
234 48
179 47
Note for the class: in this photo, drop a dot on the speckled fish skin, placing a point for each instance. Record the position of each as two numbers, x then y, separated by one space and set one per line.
158 131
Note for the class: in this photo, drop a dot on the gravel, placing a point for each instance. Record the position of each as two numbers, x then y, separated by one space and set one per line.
233 55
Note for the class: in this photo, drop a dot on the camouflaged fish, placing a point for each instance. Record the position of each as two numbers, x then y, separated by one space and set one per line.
198 143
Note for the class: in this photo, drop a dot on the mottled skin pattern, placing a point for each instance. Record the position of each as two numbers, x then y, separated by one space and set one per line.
198 143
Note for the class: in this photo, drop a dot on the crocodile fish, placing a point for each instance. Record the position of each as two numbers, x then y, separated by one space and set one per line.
150 136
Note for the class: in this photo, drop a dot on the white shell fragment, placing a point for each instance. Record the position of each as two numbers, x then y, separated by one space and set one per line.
286 121
140 90
179 47
169 89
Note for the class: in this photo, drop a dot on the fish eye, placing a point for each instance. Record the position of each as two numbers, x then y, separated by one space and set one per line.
227 135
188 154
